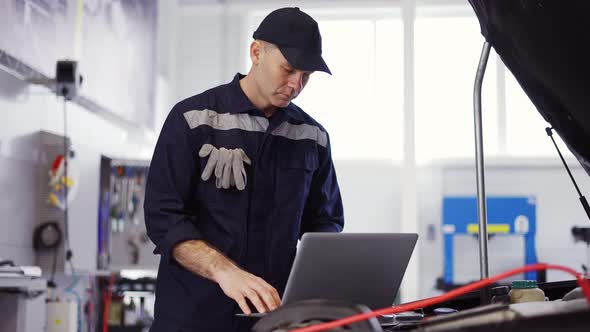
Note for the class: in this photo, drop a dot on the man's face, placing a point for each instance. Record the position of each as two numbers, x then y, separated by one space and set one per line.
279 82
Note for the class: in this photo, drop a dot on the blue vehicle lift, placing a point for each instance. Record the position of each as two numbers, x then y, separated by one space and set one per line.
506 216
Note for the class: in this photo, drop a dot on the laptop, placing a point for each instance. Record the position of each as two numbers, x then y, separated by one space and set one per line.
359 268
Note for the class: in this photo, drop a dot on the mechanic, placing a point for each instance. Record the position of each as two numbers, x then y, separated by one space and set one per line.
238 174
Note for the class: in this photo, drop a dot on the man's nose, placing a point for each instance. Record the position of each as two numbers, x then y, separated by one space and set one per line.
296 81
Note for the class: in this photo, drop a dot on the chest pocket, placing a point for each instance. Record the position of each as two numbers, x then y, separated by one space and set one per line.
219 200
297 164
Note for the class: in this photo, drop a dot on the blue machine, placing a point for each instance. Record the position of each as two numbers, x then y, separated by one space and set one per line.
506 216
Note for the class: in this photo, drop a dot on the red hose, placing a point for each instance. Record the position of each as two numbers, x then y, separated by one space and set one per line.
448 296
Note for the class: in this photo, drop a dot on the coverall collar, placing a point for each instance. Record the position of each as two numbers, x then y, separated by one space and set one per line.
239 102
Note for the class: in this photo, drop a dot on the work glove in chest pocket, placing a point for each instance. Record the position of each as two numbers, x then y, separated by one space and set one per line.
227 166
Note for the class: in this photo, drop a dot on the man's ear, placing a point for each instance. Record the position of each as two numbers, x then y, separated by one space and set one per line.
256 50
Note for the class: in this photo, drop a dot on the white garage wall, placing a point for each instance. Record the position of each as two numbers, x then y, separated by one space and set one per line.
24 111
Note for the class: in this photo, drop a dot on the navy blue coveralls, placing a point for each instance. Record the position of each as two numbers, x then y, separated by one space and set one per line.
291 189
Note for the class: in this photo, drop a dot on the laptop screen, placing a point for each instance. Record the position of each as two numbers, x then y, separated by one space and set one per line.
355 268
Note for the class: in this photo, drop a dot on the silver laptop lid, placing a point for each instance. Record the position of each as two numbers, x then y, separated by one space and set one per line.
356 268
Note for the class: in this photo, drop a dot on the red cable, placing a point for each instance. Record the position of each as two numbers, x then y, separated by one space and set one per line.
448 296
107 298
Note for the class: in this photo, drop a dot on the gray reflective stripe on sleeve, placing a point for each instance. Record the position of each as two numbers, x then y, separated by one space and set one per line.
301 131
225 121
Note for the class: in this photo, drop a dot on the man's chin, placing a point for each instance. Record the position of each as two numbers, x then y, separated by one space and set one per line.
282 103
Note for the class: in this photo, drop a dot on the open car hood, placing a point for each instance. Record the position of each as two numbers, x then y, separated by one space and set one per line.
546 46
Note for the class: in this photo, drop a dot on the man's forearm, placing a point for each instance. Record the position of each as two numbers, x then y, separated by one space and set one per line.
201 258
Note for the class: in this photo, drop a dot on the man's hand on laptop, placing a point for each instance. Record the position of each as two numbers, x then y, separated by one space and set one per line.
241 285
205 260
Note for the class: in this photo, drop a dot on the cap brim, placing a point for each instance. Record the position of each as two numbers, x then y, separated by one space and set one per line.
304 60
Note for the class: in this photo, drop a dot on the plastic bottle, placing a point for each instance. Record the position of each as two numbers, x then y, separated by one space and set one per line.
130 314
525 291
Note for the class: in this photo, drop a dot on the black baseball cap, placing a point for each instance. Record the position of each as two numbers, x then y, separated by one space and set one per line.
297 36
